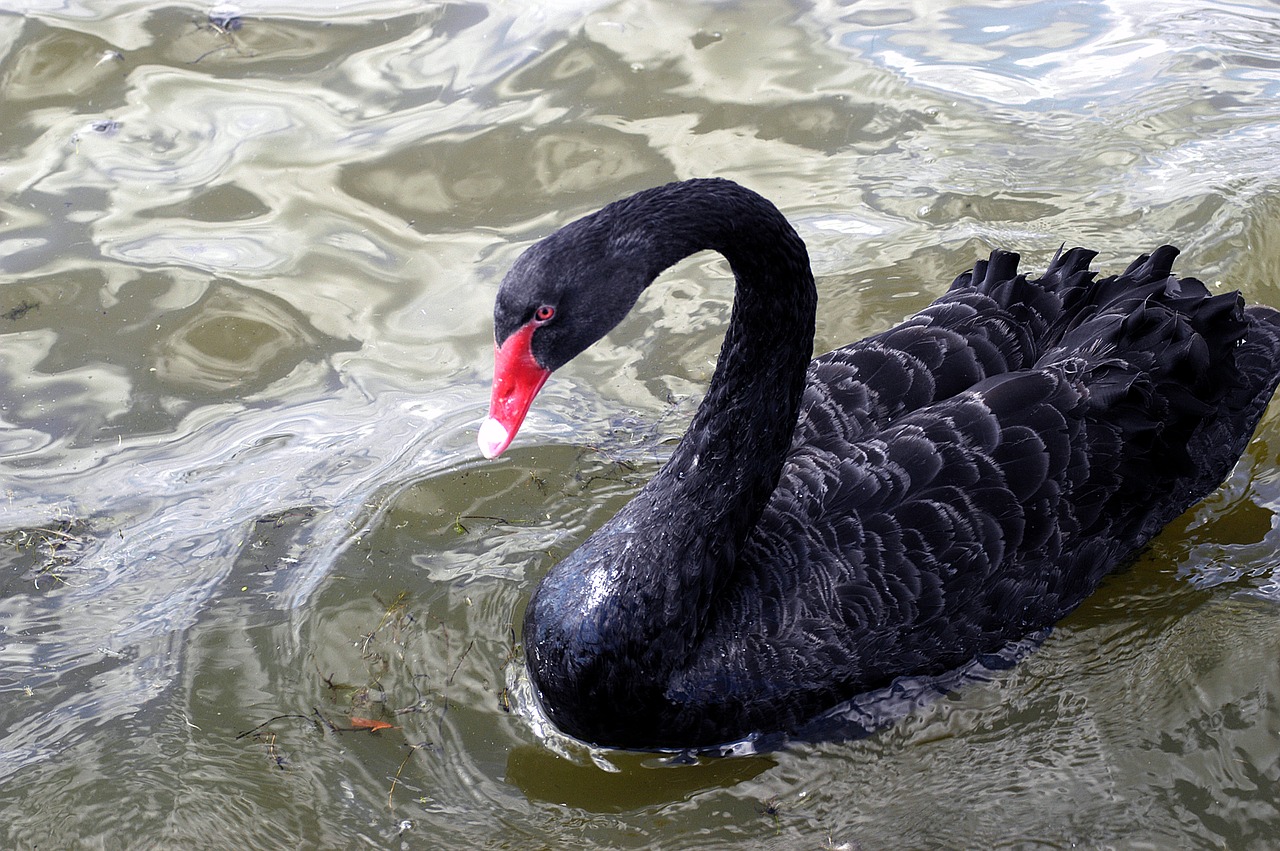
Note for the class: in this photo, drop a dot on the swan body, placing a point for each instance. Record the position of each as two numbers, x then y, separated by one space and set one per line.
896 507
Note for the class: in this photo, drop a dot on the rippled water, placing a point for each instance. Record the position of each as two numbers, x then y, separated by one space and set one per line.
247 264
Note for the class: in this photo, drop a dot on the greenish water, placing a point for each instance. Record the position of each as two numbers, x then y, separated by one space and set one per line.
246 273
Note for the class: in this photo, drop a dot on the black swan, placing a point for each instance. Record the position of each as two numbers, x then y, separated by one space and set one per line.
894 508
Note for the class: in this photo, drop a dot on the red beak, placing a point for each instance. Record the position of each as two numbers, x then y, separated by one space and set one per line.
517 378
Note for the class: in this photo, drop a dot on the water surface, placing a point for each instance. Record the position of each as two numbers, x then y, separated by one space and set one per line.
247 262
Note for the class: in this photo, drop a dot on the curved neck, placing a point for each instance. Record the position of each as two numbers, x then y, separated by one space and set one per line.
728 462
627 609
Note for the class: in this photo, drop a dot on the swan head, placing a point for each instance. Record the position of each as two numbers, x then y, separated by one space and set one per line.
560 296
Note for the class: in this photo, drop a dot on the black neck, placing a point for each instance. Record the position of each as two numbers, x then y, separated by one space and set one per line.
637 594
728 463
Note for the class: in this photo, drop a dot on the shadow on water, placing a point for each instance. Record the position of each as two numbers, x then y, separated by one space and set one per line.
621 782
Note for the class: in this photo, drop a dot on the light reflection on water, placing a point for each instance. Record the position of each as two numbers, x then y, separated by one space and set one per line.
245 281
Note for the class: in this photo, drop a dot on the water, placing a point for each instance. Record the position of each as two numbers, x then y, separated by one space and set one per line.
247 263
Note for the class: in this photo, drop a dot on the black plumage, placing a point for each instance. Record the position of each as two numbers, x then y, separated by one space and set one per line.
896 507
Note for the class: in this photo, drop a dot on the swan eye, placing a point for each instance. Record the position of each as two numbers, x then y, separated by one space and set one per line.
544 313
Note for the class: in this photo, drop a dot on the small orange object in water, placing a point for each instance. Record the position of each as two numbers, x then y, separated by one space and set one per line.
370 724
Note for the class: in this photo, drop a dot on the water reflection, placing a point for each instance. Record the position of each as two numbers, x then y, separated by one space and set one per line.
59 68
632 781
225 203
460 184
235 342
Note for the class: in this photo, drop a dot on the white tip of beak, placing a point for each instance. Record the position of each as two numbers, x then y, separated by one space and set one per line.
493 438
